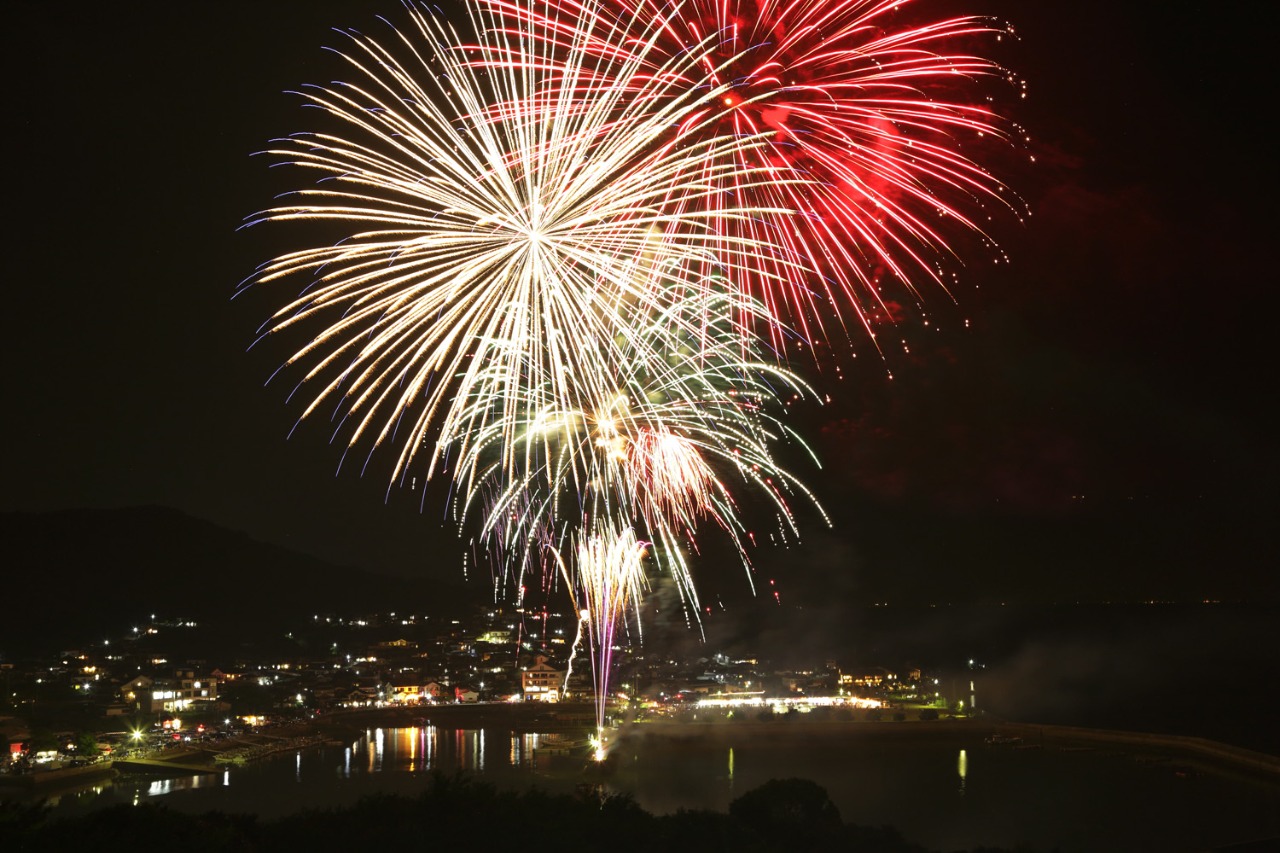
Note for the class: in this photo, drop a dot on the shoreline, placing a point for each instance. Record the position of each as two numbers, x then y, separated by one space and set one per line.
45 781
575 718
690 733
887 773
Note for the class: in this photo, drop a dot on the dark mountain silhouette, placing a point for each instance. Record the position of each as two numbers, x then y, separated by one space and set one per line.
80 575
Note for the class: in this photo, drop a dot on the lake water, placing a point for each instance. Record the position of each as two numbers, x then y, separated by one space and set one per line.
946 791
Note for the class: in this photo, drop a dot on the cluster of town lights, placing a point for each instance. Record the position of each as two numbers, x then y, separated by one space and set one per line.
800 703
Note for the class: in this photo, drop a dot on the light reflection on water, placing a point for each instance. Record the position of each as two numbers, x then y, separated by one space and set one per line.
974 794
170 784
523 746
386 759
418 750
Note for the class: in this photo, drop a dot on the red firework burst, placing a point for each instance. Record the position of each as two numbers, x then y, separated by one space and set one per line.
878 114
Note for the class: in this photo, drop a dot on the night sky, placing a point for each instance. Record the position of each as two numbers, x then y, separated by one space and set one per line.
1090 420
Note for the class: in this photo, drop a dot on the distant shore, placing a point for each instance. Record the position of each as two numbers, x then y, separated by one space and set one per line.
1014 735
1259 763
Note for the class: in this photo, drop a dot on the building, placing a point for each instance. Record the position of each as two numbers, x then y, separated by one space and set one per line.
183 691
541 681
872 677
406 691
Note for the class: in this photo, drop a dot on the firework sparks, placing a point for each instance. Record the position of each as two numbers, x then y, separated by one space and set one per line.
674 480
494 255
875 112
659 451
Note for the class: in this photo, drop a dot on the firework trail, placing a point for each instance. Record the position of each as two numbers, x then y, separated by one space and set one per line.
875 112
608 575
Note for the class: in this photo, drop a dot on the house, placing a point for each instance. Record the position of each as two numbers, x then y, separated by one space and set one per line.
405 691
541 681
153 695
362 696
136 692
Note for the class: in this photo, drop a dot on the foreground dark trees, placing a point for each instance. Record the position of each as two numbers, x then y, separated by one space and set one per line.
790 815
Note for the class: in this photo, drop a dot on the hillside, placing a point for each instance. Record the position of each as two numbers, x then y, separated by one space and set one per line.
80 575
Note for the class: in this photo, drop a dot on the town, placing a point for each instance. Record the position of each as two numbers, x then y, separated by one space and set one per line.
161 683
